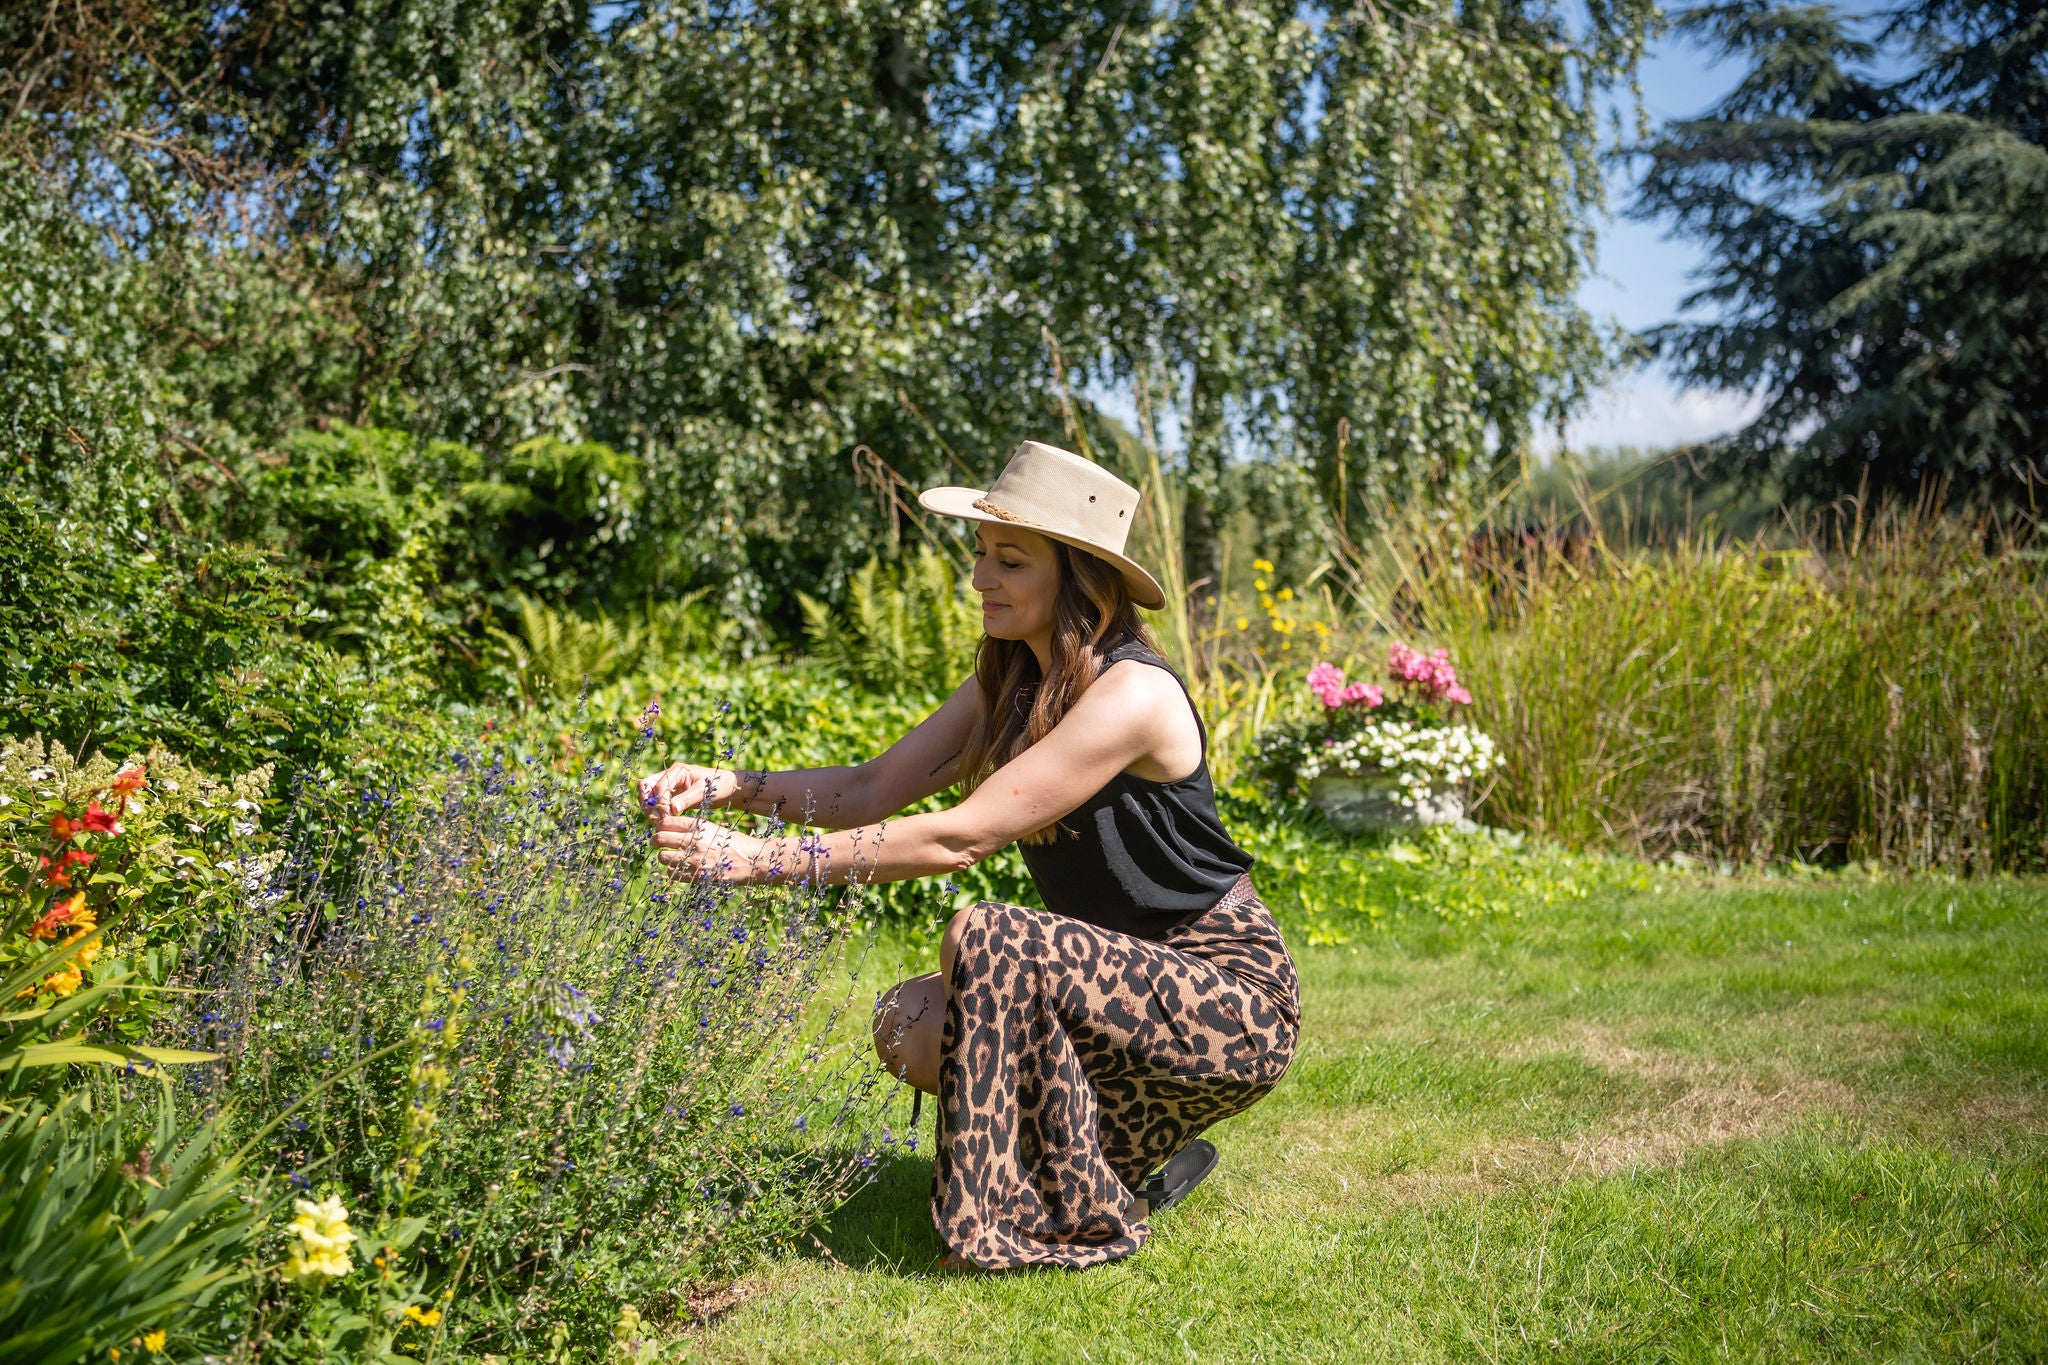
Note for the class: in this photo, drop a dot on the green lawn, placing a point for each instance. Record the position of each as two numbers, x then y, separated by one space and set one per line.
1657 1119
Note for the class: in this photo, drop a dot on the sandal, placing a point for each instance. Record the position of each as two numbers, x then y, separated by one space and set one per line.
1178 1176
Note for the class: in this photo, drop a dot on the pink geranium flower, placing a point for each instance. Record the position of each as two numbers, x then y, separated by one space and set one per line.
1369 693
1432 673
1326 680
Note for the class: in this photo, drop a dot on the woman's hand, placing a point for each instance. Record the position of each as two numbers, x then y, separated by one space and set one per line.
685 786
692 847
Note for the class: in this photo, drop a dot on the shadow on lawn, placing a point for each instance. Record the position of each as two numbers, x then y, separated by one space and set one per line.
887 1224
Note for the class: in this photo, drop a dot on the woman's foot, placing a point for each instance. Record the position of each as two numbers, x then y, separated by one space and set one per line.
1175 1179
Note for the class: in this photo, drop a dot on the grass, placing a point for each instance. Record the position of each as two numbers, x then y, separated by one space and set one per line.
1586 1115
1862 697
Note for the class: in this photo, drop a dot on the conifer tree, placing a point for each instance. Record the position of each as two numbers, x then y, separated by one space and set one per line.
1878 243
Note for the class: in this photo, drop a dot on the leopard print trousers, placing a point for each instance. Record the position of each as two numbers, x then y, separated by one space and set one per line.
1077 1060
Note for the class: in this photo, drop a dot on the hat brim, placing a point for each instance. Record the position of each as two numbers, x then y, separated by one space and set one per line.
959 502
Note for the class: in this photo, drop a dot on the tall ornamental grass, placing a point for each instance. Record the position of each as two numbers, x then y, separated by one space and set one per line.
545 1082
1875 693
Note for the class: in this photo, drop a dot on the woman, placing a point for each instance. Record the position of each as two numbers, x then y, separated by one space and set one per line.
1072 1051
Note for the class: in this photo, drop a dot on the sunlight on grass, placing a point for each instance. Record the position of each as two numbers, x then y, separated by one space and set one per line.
1674 1118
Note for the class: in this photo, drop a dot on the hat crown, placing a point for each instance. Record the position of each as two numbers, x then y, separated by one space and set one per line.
1064 493
1058 494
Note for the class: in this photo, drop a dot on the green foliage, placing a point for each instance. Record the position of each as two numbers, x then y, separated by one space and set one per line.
407 545
556 655
107 1234
1876 244
912 628
75 411
193 648
770 235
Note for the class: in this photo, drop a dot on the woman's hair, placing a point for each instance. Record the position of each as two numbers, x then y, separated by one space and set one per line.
1092 613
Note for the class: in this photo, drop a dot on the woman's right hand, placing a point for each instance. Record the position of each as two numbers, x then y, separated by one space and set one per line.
681 787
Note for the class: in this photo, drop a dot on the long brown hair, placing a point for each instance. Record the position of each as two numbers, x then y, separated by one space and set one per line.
1092 613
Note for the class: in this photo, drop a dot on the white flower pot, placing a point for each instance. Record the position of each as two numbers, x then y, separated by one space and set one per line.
1372 803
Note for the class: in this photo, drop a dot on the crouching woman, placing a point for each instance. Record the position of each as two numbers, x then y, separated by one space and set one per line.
1074 1051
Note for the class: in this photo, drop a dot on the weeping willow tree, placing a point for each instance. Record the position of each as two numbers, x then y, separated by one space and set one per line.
738 240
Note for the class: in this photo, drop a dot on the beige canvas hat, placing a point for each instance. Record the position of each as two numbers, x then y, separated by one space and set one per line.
1058 494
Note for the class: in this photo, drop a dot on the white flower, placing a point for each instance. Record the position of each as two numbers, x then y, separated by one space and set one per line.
1419 759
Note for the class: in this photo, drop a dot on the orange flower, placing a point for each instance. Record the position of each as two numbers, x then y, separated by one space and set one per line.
101 821
63 828
60 918
58 873
130 780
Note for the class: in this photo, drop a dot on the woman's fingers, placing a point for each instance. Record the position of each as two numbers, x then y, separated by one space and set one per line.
679 831
674 787
689 844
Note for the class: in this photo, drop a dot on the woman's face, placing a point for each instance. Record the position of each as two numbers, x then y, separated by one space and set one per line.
1017 573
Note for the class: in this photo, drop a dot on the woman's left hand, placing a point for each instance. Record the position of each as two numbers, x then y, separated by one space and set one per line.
692 847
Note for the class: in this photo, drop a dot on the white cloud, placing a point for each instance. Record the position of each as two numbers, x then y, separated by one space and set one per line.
1646 409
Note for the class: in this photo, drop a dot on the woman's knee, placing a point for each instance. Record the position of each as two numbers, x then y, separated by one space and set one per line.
907 1022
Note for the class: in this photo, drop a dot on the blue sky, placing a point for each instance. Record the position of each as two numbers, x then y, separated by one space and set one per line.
1641 275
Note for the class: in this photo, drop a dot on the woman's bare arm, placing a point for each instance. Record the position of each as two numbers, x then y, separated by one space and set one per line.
841 797
1129 712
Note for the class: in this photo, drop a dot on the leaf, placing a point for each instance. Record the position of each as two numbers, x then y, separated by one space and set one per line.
72 1051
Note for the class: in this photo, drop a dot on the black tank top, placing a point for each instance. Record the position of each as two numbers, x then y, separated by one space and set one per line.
1140 856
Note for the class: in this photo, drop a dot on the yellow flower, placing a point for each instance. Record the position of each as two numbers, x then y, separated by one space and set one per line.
428 1318
1243 622
1259 583
324 1237
1263 565
153 1342
1286 594
64 982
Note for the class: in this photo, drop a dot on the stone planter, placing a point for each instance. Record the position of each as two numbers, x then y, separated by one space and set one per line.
1369 803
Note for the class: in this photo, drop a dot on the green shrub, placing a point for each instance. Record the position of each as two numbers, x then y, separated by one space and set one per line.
556 655
193 647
